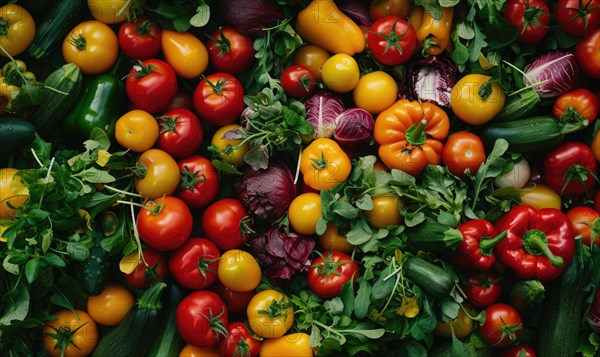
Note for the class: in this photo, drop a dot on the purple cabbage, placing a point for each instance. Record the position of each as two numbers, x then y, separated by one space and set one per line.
432 78
353 128
267 193
283 254
357 10
251 17
321 110
552 74
594 313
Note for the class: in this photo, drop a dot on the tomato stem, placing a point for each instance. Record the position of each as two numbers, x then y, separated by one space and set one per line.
80 43
222 43
143 28
4 25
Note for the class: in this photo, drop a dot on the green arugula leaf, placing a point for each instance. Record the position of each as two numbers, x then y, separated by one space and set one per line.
363 299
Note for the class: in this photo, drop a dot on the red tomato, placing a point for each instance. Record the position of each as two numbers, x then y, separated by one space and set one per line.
570 168
194 265
519 350
229 51
223 223
140 39
151 85
239 342
392 40
597 201
502 326
144 275
298 81
236 301
219 99
531 17
483 289
165 224
585 222
199 182
202 318
586 52
180 132
578 17
576 105
463 150
329 272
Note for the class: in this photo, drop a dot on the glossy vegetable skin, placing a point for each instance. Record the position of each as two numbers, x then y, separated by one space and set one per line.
434 33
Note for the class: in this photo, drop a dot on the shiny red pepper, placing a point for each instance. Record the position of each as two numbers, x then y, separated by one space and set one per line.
540 243
475 250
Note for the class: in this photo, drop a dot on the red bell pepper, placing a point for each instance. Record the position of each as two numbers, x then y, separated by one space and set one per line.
540 243
475 250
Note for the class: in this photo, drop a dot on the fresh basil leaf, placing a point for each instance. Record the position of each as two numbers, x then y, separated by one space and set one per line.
33 269
77 251
98 135
54 260
17 304
447 219
200 19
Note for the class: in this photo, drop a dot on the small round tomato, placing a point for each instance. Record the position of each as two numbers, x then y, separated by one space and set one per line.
392 40
219 99
375 92
462 325
140 39
239 271
180 132
586 52
540 196
72 334
279 316
586 223
332 240
237 301
502 325
531 17
92 46
463 150
194 264
298 81
225 223
185 53
329 272
576 105
164 224
304 213
312 57
149 270
151 85
483 288
519 350
595 145
12 191
17 29
324 164
199 183
293 344
136 130
385 212
476 100
239 342
111 305
230 150
195 351
578 17
382 8
109 11
230 51
159 176
202 318
340 73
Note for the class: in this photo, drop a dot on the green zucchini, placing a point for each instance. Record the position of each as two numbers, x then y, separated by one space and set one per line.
54 27
169 343
530 134
15 133
434 237
429 277
141 324
518 106
526 296
94 272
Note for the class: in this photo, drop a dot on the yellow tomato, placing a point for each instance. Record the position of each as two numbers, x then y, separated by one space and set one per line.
194 351
312 57
110 306
109 11
462 325
475 100
304 212
332 240
160 175
375 92
279 316
92 46
239 271
340 73
385 211
83 330
540 196
184 52
12 190
137 130
324 164
294 344
17 29
230 150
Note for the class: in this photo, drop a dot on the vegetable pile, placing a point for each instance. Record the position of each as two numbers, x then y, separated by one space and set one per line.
300 178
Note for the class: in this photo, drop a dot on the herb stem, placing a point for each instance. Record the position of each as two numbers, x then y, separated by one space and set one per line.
37 159
136 235
126 193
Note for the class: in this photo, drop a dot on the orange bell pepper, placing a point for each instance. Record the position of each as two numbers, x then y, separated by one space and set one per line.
434 35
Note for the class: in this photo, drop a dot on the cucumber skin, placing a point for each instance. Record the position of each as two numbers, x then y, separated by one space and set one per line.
525 135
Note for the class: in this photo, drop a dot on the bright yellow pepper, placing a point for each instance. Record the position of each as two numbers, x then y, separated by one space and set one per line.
323 24
434 35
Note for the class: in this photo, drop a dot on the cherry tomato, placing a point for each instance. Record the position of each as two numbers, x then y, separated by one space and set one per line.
224 223
160 174
519 350
202 318
17 29
151 85
576 105
136 130
92 46
111 305
109 11
12 191
392 40
237 301
375 92
230 51
140 39
180 132
585 223
165 224
293 344
185 53
540 196
195 351
570 168
483 288
331 239
194 264
475 100
578 17
586 52
502 325
144 275
277 321
298 81
219 99
239 342
312 57
531 17
462 325
382 8
340 73
239 271
304 213
72 334
385 212
463 150
329 272
231 151
199 183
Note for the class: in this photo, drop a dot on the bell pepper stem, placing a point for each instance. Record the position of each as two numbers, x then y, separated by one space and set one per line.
535 242
486 245
415 135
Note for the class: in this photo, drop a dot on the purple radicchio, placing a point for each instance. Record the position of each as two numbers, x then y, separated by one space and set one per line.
251 17
432 78
552 74
283 254
353 128
267 193
321 110
358 10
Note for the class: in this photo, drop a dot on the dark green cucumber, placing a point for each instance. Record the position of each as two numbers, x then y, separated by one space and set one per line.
15 133
518 106
434 237
169 343
530 134
429 277
54 27
141 324
94 272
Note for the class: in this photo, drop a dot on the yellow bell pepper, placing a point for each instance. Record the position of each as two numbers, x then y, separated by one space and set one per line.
323 24
434 35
